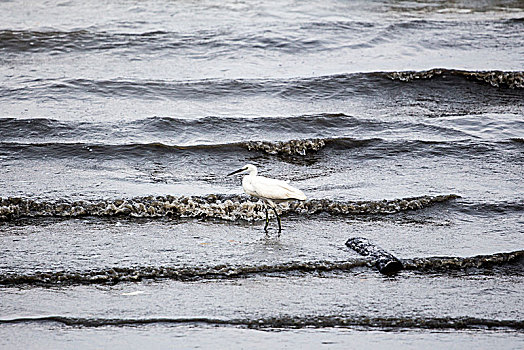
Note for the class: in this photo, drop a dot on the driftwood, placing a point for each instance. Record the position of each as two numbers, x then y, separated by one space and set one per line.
385 262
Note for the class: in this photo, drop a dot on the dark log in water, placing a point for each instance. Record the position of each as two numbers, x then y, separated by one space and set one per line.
385 262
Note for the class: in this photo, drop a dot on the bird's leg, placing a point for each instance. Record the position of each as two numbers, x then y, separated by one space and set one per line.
278 220
267 217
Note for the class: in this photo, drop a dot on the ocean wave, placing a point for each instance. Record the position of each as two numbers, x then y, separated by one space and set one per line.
105 151
225 207
309 124
502 207
289 38
135 274
372 148
287 322
446 264
291 147
214 130
20 41
320 87
512 79
513 262
312 133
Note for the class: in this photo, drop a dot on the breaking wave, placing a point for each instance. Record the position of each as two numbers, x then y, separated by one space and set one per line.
459 263
325 87
291 147
61 149
368 148
134 274
513 262
495 78
290 322
225 207
20 41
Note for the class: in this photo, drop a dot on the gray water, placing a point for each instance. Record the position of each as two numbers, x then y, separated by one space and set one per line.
403 122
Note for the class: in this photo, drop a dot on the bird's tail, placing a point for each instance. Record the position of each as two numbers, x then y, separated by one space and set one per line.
298 194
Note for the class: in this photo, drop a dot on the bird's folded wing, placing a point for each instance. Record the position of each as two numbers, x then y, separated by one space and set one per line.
276 189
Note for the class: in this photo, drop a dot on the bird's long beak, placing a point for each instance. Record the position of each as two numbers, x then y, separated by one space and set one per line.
236 171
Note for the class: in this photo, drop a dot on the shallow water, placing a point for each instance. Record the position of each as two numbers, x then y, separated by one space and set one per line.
401 121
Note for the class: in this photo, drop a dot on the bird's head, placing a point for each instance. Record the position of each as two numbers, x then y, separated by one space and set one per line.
248 168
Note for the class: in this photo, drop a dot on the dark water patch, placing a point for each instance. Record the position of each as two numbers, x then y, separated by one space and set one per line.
489 208
512 80
191 43
37 127
140 89
289 322
337 26
18 41
456 35
515 20
466 7
378 148
109 152
135 274
225 207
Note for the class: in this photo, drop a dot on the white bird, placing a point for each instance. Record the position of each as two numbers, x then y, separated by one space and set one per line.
271 191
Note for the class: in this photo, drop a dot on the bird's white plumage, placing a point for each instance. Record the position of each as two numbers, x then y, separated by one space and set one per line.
269 190
266 188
